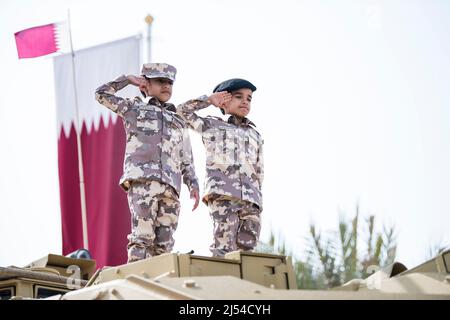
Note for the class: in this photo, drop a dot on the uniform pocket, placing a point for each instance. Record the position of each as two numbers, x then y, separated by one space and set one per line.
217 147
147 120
176 131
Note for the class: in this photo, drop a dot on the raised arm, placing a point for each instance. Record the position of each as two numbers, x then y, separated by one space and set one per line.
187 110
105 94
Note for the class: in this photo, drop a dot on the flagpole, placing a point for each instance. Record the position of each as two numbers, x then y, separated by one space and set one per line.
79 149
149 21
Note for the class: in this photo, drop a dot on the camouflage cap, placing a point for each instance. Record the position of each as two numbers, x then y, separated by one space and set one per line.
159 70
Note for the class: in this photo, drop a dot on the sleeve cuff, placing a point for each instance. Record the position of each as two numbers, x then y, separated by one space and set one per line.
203 98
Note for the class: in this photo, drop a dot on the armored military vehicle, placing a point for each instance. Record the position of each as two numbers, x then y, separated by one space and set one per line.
48 276
239 275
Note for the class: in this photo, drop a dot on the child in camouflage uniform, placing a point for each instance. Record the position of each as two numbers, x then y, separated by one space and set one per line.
234 165
157 157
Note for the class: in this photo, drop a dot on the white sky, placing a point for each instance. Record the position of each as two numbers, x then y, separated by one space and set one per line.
353 102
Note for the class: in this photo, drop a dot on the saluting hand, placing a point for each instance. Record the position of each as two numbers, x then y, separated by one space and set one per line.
138 81
220 99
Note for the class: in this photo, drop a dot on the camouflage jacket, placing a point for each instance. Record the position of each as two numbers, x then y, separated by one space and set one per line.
158 146
234 153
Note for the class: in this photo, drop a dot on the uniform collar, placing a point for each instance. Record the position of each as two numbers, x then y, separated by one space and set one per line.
167 105
245 121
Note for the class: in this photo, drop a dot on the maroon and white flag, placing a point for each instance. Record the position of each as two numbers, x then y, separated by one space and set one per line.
42 40
102 146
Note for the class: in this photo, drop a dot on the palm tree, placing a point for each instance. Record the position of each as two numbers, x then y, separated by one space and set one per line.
332 259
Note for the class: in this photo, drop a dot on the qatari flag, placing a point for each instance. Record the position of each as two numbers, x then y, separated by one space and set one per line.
41 40
102 147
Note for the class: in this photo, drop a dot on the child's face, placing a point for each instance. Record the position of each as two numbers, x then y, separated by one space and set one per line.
160 88
240 102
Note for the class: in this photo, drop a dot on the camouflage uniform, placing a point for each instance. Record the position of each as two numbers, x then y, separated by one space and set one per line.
154 210
237 224
234 175
157 157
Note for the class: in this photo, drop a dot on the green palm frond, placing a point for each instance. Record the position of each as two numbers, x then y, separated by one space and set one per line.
332 257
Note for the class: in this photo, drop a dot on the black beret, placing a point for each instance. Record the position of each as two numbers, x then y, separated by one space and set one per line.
234 84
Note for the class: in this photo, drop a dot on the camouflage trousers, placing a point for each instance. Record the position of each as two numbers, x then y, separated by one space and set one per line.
154 210
237 224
